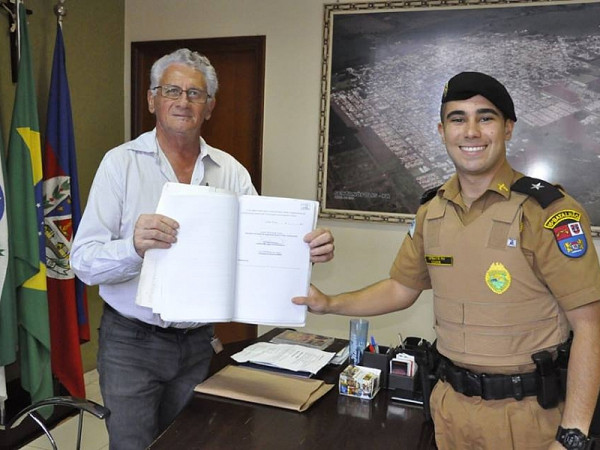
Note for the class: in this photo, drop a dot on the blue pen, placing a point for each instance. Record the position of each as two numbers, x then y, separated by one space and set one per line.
374 344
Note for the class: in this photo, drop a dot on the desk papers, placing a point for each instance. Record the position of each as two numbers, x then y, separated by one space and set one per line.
266 388
295 358
305 339
237 258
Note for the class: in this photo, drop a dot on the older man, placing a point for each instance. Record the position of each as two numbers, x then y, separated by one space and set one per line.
148 368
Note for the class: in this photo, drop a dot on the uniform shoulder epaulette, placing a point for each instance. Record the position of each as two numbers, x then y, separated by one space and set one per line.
429 194
544 192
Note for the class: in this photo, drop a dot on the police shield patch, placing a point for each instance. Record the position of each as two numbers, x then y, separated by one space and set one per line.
498 278
568 233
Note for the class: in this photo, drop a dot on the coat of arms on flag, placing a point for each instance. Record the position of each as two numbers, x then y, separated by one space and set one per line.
58 226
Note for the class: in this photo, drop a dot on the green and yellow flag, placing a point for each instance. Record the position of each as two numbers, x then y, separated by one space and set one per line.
26 228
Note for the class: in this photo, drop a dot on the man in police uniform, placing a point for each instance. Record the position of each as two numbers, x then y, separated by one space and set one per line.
513 270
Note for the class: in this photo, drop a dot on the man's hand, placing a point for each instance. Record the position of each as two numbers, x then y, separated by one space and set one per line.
321 245
154 231
317 302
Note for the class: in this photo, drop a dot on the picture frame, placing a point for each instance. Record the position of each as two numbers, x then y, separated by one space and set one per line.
384 66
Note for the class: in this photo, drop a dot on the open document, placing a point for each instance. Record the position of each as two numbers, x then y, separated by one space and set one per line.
237 258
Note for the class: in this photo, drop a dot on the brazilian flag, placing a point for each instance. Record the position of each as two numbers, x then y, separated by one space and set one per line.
27 232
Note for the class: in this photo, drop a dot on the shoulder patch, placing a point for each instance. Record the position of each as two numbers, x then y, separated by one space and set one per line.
429 194
544 192
411 228
568 232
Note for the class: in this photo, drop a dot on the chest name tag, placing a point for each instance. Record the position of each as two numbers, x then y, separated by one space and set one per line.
435 260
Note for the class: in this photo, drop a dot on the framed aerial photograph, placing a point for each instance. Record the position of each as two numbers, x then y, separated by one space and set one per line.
384 69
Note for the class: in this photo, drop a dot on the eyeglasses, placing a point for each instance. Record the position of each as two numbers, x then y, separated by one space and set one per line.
174 93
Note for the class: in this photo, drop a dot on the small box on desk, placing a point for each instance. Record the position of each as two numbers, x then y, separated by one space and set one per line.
379 361
359 381
385 361
401 382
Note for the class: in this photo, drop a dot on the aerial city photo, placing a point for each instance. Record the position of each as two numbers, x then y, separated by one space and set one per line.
386 76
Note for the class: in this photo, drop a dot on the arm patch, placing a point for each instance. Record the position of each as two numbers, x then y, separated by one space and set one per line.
544 192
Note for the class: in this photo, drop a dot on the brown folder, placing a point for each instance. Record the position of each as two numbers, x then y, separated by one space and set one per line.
267 388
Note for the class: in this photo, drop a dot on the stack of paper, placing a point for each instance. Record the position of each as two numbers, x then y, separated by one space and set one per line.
238 258
305 339
295 358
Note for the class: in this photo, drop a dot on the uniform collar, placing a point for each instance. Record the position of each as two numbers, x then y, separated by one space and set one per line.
500 184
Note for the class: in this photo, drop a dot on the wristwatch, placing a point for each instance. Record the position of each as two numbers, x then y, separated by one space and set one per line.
572 438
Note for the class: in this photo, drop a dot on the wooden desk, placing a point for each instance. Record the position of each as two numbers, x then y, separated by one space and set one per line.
333 422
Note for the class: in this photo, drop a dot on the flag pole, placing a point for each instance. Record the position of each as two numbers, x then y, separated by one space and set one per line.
67 302
12 10
61 11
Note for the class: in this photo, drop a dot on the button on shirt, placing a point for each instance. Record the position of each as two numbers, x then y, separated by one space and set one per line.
128 183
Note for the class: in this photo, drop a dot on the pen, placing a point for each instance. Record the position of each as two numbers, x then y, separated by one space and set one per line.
374 345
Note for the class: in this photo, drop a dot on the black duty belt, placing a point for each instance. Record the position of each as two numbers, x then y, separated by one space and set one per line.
153 328
487 386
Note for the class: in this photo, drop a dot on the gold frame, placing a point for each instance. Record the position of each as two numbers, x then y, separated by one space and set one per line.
331 11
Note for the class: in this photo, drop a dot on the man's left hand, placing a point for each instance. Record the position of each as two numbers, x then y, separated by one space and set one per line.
321 245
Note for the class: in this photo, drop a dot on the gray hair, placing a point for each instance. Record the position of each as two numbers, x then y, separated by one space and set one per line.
189 58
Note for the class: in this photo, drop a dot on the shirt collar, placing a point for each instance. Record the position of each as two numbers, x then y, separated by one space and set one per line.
203 148
500 184
147 143
503 180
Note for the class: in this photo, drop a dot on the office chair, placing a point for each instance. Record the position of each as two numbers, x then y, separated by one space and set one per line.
81 404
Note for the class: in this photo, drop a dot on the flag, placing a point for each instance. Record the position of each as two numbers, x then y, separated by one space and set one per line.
24 174
8 312
67 303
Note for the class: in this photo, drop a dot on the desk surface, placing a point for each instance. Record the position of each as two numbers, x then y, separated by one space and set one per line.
334 421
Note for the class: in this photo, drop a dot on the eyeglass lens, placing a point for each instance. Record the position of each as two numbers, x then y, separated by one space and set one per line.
175 92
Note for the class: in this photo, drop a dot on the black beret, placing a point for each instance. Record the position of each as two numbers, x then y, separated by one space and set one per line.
469 84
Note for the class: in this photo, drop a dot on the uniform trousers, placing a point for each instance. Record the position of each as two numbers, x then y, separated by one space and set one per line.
147 377
471 423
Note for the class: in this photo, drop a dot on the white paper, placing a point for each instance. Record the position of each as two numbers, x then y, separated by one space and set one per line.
285 356
215 274
273 263
196 276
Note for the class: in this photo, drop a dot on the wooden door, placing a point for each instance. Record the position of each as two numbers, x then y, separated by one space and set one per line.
237 121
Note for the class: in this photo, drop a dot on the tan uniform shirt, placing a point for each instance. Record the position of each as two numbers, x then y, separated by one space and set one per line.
573 281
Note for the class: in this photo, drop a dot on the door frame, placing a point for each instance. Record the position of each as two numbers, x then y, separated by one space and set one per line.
143 55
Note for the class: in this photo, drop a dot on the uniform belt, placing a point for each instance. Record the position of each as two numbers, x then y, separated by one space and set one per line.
487 386
154 328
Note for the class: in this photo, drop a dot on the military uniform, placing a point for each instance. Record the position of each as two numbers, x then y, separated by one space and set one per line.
503 272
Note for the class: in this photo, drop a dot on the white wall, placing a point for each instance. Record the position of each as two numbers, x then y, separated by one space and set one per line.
294 31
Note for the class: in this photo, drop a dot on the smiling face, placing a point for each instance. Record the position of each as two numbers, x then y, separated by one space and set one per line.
475 134
180 117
